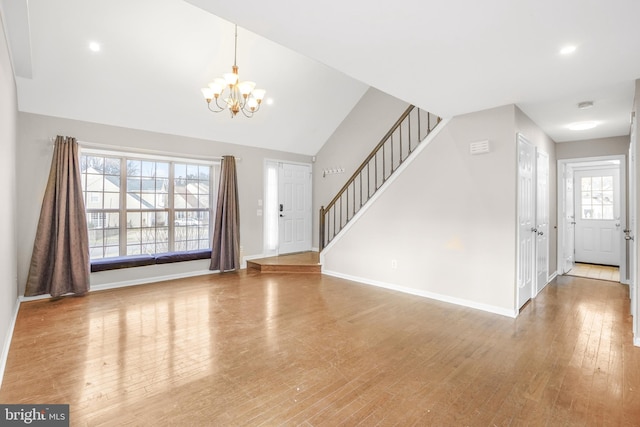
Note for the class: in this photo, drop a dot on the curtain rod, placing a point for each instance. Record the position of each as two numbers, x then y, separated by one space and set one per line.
85 144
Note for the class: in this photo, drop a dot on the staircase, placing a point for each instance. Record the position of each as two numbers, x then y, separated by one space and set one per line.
413 126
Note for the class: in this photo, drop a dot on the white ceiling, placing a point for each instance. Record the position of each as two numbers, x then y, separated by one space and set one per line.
450 57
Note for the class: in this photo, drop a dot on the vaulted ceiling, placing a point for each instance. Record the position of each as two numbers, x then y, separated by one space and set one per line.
316 59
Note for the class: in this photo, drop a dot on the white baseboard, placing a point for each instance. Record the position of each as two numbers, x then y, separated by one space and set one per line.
126 283
148 280
426 294
7 340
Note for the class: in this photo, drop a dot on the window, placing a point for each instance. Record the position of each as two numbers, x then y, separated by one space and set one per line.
597 197
146 205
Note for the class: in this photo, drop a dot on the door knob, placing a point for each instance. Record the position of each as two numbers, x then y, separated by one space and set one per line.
627 237
540 233
534 230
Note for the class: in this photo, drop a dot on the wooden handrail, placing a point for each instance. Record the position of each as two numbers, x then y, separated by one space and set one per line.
370 156
332 222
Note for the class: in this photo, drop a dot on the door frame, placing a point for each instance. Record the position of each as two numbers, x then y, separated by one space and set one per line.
264 210
547 207
576 163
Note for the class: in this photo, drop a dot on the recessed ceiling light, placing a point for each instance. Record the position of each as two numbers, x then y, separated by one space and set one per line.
94 47
582 125
567 50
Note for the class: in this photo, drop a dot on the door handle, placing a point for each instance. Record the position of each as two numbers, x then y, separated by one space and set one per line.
534 230
627 237
540 233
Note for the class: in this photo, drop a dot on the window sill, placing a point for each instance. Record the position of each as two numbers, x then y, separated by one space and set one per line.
116 263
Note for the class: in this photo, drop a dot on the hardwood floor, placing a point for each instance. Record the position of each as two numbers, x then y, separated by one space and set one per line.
298 349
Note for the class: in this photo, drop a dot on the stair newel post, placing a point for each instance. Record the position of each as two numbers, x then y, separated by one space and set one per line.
321 223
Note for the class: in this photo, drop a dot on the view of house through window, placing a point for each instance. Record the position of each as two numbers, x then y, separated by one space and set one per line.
146 206
597 197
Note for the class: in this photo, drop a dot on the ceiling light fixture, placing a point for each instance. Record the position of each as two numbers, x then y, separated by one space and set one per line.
585 105
567 50
582 125
236 95
94 47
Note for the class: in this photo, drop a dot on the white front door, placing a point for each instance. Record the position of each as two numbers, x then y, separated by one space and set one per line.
597 229
294 208
526 220
542 220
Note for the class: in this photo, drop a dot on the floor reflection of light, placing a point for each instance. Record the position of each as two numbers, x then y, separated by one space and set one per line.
148 348
271 312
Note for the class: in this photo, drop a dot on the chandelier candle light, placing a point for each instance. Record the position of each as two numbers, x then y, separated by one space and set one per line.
236 95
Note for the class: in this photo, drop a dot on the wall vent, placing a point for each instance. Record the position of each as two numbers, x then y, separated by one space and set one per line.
479 147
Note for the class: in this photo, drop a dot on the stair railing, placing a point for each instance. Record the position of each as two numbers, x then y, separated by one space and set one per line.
394 148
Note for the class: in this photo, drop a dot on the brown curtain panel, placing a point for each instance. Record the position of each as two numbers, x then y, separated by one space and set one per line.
60 260
225 250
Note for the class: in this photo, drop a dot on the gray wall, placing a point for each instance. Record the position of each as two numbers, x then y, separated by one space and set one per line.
34 158
593 147
449 220
8 118
350 144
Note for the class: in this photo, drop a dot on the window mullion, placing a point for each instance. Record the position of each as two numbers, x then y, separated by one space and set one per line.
171 208
123 206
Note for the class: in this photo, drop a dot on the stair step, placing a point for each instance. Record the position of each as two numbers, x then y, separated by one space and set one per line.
303 262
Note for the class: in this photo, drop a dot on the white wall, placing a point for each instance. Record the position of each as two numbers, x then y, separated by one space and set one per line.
350 144
543 143
8 118
34 159
449 220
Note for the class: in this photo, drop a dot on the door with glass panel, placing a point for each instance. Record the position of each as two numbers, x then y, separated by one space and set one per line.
597 228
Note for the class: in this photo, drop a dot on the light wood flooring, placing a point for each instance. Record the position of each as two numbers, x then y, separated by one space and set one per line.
306 349
595 271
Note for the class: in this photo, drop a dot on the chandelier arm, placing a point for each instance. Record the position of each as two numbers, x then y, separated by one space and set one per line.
212 110
244 112
248 113
221 108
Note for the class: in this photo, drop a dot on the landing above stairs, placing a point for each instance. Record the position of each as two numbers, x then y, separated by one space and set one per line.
302 262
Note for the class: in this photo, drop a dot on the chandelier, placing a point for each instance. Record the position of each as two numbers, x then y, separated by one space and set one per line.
229 93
